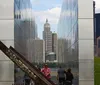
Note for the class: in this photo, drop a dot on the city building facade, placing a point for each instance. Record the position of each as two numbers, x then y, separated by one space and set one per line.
14 18
25 31
55 44
47 37
76 38
68 32
36 49
25 27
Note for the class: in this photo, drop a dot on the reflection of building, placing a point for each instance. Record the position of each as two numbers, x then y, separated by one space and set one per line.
24 32
83 35
25 27
51 57
11 32
54 44
67 33
75 38
47 36
36 50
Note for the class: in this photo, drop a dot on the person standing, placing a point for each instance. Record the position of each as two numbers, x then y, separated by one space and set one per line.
46 71
61 75
69 77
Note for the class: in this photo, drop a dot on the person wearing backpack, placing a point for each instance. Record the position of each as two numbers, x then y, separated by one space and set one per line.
69 77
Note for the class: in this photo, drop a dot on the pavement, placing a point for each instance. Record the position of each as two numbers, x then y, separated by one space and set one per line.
53 77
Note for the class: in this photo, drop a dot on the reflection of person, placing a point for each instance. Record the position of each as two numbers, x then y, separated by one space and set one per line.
69 77
46 71
61 75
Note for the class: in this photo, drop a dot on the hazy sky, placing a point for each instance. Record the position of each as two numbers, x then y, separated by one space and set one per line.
50 9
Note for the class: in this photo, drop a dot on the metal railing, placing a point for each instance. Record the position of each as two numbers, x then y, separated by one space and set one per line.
25 65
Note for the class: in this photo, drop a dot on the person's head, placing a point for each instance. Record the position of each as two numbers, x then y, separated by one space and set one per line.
45 66
69 70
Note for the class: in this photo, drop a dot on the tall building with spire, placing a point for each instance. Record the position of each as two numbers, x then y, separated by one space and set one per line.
47 36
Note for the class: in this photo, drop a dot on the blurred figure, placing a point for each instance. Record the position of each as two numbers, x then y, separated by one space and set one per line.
46 71
69 77
27 79
61 75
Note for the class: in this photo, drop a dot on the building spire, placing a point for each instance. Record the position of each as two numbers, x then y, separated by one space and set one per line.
46 20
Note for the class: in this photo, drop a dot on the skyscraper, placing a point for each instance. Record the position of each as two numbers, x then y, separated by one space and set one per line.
76 40
54 44
23 33
36 50
47 36
25 27
79 28
12 32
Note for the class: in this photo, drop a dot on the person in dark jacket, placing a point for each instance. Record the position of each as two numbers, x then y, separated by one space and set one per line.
69 77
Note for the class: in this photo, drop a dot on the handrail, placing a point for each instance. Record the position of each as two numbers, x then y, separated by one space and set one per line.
25 65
